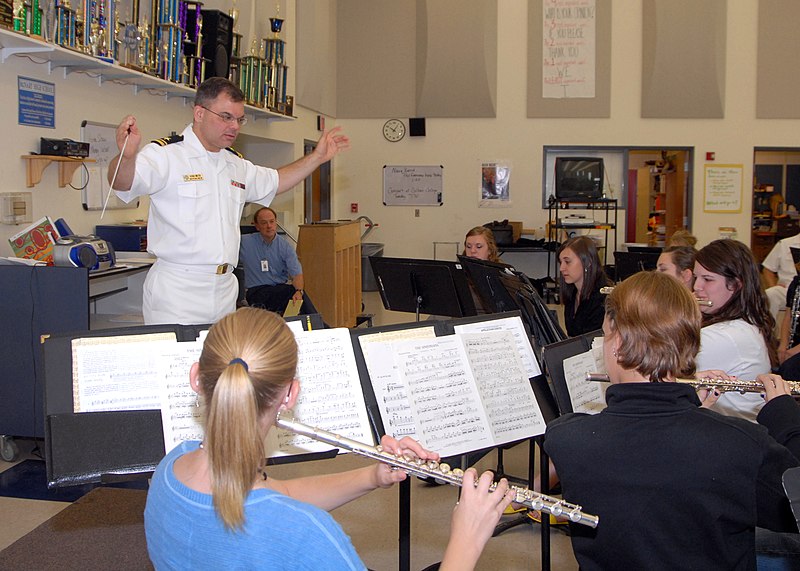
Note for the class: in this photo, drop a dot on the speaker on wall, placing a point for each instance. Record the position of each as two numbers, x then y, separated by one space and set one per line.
217 42
416 126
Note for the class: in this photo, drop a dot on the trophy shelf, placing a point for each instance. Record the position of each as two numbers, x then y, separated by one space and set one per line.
16 44
36 165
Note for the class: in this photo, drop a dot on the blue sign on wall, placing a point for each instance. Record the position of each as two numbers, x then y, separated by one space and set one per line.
37 102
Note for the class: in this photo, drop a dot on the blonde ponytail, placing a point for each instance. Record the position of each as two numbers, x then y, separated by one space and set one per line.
248 358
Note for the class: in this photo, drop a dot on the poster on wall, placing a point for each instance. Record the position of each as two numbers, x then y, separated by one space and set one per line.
722 188
495 184
36 102
568 50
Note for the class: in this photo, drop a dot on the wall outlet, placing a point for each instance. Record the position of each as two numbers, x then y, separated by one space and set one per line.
416 213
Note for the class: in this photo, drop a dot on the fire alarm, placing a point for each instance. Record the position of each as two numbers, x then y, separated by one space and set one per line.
711 156
354 207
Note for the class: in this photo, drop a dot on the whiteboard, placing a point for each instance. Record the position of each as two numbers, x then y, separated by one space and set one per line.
413 185
102 148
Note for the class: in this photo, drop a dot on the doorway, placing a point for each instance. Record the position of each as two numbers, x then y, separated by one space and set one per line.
776 197
317 190
659 194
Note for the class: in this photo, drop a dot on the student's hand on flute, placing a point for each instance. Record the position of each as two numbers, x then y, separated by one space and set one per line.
386 475
774 386
475 516
708 397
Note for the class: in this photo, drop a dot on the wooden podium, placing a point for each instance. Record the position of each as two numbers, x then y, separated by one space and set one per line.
331 257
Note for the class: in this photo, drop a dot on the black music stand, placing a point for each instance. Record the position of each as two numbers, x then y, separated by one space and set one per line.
553 357
628 263
502 288
435 287
485 277
112 446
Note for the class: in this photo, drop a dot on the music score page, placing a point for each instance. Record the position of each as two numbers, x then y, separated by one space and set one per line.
455 393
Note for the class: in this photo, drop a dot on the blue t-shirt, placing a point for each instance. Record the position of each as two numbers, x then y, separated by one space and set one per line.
280 256
184 532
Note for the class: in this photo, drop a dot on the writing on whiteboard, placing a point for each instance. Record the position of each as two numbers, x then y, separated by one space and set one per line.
413 185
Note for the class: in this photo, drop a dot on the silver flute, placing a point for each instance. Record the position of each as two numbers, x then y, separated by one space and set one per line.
721 385
605 290
433 469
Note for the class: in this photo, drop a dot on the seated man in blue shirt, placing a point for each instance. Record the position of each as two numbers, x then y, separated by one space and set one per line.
269 262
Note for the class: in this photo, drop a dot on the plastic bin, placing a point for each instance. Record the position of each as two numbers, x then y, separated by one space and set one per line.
368 282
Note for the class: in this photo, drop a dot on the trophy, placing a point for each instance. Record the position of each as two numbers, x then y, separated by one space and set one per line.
276 68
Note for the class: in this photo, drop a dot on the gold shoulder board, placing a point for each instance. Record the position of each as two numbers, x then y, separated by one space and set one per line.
164 141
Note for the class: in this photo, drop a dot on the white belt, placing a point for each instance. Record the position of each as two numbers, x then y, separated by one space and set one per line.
219 269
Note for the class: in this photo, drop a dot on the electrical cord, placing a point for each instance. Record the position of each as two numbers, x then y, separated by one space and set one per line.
86 169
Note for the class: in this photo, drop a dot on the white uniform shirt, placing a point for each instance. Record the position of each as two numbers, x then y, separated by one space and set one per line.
737 348
780 260
196 199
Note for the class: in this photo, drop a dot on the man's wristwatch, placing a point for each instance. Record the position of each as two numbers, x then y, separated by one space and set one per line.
298 291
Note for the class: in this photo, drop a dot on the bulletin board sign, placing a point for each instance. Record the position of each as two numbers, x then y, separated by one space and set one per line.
722 188
413 185
36 102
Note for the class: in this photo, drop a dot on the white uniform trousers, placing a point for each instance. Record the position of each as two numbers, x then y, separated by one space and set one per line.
188 295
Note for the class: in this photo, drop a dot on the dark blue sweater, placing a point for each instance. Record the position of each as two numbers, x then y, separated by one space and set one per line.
675 486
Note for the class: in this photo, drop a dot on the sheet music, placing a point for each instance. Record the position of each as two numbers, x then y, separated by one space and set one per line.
181 418
443 395
330 393
506 393
597 351
387 384
521 340
118 373
586 396
295 327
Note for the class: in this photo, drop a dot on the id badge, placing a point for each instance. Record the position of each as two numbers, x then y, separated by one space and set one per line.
264 265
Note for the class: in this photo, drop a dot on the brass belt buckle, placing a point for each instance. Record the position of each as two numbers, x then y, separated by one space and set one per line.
222 268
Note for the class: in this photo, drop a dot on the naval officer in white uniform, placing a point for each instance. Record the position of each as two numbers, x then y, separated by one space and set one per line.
198 187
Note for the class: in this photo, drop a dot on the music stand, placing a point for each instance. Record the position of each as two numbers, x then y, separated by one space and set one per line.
434 287
628 263
485 277
502 288
111 446
553 357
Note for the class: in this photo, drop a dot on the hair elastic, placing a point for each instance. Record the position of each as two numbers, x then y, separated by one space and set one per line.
240 361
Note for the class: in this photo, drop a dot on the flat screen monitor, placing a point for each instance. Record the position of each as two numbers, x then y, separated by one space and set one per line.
579 178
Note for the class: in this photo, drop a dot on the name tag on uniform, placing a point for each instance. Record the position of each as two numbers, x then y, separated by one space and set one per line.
264 265
192 177
237 184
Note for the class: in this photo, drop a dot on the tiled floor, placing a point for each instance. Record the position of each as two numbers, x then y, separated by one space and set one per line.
21 516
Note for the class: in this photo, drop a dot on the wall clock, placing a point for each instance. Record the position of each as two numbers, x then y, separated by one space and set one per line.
394 130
